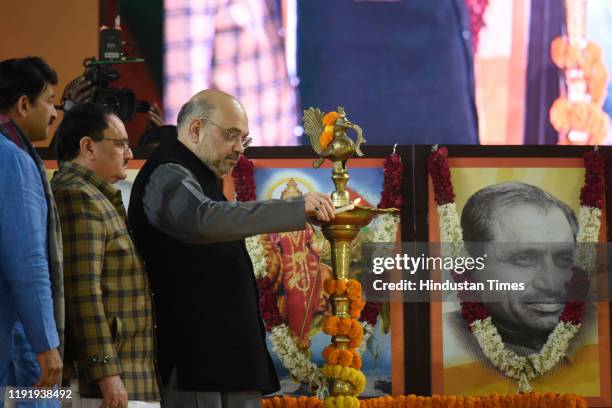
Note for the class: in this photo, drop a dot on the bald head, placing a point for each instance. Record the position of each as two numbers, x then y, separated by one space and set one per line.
205 104
212 124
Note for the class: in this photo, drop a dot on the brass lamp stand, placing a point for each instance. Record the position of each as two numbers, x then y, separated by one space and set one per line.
341 231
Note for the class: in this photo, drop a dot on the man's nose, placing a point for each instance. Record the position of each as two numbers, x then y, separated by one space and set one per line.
238 148
551 278
128 153
53 113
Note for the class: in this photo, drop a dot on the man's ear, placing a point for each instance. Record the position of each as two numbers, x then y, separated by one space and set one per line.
194 130
23 106
86 148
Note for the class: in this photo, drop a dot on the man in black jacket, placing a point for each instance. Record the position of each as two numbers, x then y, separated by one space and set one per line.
211 342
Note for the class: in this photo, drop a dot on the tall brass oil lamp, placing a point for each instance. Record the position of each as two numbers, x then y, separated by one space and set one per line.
338 147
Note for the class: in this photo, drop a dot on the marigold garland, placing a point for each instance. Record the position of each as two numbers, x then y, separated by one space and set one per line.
327 135
341 401
348 374
527 400
292 402
587 115
579 116
342 326
345 358
330 118
352 289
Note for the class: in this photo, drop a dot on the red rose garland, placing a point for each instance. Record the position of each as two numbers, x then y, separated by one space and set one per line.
437 166
267 304
592 193
391 196
244 183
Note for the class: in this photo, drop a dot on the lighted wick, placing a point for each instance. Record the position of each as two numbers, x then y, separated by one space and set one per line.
347 207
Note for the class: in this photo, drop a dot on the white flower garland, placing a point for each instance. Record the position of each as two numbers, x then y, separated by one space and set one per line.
384 228
589 219
368 332
523 368
293 359
258 256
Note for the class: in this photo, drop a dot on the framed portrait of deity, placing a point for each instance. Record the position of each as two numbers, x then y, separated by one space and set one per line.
291 269
536 313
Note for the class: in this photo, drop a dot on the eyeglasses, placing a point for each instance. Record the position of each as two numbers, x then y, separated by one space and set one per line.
232 137
119 142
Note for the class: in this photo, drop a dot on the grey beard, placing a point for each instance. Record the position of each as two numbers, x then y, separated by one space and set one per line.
216 167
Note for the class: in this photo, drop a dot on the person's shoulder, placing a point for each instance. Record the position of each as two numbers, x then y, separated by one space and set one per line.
170 174
65 182
14 158
72 191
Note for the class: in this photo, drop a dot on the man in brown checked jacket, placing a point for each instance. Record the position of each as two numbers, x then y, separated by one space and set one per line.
108 298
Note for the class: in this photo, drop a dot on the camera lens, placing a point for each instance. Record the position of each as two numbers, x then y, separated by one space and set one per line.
111 102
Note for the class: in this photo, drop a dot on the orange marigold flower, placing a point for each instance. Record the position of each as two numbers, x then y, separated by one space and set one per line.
341 286
559 115
354 284
329 286
332 355
330 118
355 341
578 116
354 293
325 139
357 361
302 402
345 358
591 54
345 326
557 51
356 308
291 402
330 325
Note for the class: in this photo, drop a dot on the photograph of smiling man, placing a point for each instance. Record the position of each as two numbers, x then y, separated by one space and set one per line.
525 218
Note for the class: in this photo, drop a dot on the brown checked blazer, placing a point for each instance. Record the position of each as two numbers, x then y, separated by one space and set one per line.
108 299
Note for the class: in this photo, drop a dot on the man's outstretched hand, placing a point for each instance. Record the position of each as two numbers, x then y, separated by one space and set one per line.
319 206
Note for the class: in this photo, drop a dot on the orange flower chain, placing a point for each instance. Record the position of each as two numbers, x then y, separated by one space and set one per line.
582 116
292 402
328 131
529 400
330 118
345 358
569 56
351 288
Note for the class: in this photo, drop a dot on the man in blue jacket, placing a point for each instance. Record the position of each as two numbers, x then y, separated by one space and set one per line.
31 294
